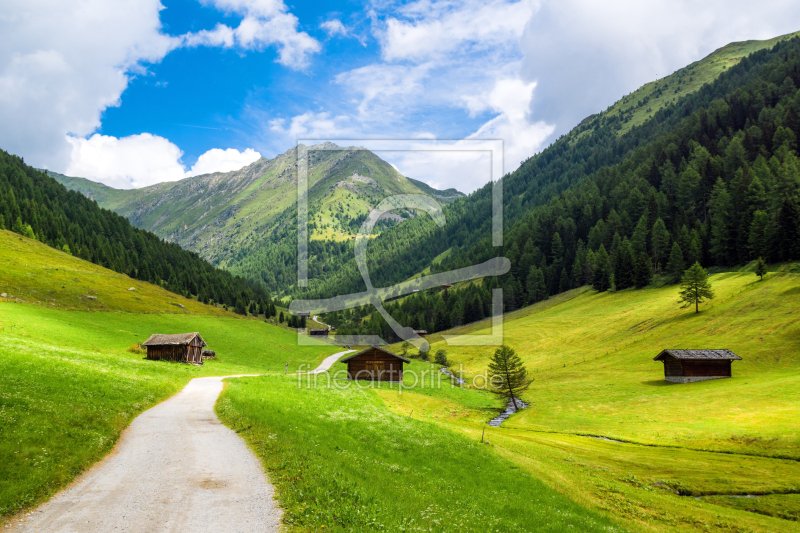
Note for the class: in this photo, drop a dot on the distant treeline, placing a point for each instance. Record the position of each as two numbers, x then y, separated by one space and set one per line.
36 205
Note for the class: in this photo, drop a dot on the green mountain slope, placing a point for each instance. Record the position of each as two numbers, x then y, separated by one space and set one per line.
219 215
593 187
446 196
641 104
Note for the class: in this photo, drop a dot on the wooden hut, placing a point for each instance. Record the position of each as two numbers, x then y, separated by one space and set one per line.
688 366
375 364
318 332
184 347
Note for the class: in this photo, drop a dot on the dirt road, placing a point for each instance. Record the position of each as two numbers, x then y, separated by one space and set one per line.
175 469
329 361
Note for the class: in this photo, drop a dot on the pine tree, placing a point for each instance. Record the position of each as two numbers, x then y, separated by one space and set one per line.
623 267
695 288
537 289
639 237
27 231
2 221
18 227
564 283
761 268
758 237
302 321
659 243
577 273
507 375
642 274
788 231
601 279
280 318
588 268
720 206
675 265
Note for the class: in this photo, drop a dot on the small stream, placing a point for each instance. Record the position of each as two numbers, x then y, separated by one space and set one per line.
510 410
457 380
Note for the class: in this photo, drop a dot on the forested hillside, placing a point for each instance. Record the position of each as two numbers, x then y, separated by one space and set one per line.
579 157
35 205
713 179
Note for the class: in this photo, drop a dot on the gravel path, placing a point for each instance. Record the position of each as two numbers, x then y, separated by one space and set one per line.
176 469
328 362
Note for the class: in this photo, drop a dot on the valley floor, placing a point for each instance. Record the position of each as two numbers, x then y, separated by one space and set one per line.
388 459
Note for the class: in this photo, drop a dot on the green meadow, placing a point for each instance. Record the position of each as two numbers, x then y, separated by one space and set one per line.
69 383
34 273
689 450
341 461
712 456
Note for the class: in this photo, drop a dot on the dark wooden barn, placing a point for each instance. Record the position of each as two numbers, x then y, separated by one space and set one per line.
375 364
688 366
318 332
184 347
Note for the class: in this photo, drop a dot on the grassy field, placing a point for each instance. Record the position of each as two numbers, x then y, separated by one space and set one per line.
34 273
591 355
341 461
69 385
410 459
68 382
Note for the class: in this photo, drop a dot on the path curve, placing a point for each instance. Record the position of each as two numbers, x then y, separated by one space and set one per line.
316 319
175 469
328 362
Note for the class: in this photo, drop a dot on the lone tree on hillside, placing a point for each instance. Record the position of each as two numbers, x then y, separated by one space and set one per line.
695 288
404 348
508 377
761 268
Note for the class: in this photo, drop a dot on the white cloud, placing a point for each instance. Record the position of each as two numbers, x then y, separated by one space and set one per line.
586 55
311 125
521 134
63 63
333 27
435 29
384 87
126 163
145 159
218 160
265 23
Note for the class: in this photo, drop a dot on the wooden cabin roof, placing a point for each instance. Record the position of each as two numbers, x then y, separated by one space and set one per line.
719 355
174 340
375 348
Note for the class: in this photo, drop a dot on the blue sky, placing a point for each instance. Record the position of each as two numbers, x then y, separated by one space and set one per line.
134 92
